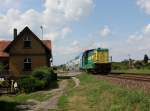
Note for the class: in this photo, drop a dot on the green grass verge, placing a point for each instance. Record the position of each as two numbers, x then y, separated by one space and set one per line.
99 95
136 71
9 103
39 96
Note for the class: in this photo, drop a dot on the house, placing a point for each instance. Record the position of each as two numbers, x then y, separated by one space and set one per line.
25 53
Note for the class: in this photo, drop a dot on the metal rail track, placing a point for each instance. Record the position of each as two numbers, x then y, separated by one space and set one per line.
131 77
119 73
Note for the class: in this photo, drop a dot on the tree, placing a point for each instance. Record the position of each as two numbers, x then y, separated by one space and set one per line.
146 59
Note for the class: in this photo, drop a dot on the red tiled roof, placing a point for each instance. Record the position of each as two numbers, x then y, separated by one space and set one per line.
47 43
4 44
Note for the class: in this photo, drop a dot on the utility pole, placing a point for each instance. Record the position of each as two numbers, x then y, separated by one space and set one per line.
130 61
42 31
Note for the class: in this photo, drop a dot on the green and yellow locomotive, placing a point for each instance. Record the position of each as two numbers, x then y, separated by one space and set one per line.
95 61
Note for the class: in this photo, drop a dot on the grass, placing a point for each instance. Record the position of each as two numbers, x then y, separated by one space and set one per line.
9 103
99 95
39 96
68 91
123 67
136 71
8 106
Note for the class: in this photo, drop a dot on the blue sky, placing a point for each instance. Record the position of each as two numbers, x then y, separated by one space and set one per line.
123 26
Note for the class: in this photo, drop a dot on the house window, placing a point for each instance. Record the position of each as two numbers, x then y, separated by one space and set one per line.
27 42
27 64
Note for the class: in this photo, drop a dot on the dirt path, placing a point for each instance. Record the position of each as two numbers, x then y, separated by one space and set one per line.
33 105
53 101
77 81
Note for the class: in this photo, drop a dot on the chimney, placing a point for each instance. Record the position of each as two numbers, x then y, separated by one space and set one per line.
15 33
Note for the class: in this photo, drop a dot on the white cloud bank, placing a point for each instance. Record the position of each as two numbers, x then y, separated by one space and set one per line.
56 15
144 4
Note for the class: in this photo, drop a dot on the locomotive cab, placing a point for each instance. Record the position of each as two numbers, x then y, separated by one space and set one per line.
96 61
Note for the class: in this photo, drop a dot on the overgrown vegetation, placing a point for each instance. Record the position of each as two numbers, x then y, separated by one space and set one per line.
99 95
137 67
8 106
40 78
9 103
1 67
120 65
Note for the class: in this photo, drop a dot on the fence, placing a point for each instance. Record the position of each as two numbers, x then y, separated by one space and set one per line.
4 74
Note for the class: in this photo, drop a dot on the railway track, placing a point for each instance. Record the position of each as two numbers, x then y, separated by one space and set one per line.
131 77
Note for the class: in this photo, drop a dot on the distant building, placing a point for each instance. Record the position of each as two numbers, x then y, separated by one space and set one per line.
25 53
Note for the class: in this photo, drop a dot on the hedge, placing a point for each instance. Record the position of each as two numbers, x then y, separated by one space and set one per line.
40 78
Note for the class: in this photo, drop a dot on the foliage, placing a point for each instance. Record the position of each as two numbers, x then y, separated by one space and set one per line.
119 65
9 102
138 64
30 84
100 95
40 78
5 83
146 58
124 65
1 67
8 106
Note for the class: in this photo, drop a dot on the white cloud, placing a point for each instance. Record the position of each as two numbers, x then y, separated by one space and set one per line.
106 31
147 29
139 42
143 35
58 34
135 38
75 43
144 4
52 36
57 14
65 31
69 49
6 4
56 17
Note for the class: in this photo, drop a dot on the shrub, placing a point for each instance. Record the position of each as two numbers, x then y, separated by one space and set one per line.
1 67
45 73
138 65
40 78
30 84
119 65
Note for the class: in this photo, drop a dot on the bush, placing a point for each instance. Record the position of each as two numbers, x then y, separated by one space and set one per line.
30 84
1 67
40 78
138 65
119 65
147 66
46 74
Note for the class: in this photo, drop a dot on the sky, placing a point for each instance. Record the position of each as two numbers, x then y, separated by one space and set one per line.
122 26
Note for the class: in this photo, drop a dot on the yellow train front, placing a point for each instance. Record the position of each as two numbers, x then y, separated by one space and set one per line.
96 61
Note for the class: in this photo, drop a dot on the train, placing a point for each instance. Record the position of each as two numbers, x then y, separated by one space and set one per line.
92 60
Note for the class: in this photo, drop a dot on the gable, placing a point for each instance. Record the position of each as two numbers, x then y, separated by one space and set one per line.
38 46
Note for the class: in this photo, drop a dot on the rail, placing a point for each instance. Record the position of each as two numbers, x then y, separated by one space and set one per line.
131 77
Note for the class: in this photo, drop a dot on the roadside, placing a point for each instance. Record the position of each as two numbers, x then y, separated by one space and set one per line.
100 95
40 100
51 103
